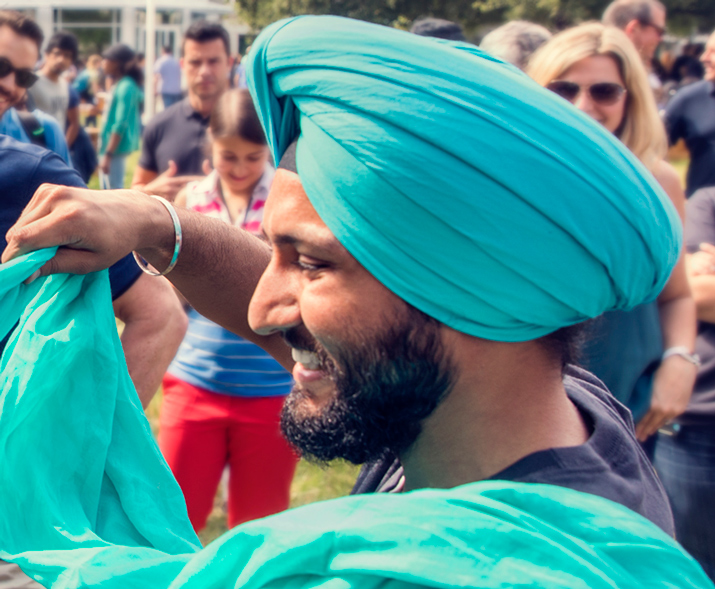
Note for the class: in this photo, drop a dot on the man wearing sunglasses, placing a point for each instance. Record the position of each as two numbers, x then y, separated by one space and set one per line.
643 21
20 40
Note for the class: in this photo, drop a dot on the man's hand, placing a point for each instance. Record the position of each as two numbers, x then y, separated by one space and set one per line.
701 262
672 386
94 228
168 184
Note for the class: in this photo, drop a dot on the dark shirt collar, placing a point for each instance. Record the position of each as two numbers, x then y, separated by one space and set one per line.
190 113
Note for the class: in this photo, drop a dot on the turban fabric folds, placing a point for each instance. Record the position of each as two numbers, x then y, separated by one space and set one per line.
478 197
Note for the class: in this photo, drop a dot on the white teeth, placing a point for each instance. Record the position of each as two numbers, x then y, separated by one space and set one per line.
308 359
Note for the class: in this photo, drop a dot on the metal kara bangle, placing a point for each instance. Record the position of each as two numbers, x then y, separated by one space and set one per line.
684 353
142 263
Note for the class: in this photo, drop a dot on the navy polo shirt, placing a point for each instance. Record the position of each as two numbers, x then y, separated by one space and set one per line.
690 116
24 167
179 134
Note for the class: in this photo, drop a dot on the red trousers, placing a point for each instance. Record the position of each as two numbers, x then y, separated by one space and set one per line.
201 432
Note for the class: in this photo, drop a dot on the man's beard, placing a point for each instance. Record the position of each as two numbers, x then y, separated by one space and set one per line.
385 387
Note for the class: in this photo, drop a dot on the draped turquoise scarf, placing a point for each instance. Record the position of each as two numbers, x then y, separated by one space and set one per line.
472 193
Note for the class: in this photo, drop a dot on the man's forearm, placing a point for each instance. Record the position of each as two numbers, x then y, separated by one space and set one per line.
217 271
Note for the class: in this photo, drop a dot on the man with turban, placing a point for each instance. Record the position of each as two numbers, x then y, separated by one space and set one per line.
438 226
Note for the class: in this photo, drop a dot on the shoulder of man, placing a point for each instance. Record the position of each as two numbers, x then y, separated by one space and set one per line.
32 165
166 118
691 92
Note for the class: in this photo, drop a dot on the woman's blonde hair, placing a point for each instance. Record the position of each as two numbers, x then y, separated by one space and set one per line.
641 129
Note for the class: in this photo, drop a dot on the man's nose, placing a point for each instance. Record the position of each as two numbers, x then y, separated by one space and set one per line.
274 305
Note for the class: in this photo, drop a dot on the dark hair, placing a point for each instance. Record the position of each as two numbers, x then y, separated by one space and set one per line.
235 116
203 31
166 49
438 27
63 41
22 25
621 12
566 343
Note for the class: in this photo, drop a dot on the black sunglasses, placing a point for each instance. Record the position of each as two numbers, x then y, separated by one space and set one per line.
605 93
24 77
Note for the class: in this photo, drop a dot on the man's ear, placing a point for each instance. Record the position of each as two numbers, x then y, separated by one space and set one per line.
631 26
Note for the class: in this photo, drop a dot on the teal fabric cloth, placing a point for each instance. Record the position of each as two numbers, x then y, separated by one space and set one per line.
87 501
480 198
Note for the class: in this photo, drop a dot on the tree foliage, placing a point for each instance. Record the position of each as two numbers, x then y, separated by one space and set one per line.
684 16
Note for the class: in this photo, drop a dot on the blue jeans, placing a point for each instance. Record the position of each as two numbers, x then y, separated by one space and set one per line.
117 167
169 99
685 463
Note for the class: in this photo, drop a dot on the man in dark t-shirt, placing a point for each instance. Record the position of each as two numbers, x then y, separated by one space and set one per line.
690 116
173 143
685 451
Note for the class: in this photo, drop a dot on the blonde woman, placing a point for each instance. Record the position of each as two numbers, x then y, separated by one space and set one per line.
645 356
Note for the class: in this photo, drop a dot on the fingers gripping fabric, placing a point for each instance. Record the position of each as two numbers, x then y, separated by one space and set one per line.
478 197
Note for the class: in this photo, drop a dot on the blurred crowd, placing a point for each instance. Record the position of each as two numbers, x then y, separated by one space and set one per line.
205 150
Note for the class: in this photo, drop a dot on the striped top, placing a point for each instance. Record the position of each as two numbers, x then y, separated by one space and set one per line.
210 357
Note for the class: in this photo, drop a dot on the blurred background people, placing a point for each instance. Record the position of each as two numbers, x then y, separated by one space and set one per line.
173 147
644 356
685 450
643 21
51 93
121 129
167 72
690 116
223 394
88 85
515 41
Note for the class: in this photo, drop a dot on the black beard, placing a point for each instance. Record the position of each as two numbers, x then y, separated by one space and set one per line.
385 387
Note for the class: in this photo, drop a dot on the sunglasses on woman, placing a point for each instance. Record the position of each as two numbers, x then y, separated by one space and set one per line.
24 77
605 93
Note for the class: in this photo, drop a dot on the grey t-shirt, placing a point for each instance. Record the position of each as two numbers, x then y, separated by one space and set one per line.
52 98
700 228
610 464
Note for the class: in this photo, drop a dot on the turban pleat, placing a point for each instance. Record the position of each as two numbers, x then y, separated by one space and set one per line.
475 195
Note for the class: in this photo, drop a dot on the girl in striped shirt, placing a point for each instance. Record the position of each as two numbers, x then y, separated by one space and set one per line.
223 394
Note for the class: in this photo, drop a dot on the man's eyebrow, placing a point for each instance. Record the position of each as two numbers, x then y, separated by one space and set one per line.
326 244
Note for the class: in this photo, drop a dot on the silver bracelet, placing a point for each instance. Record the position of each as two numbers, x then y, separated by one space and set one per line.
684 353
142 263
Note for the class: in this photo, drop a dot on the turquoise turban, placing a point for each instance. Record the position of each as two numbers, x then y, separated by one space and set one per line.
469 191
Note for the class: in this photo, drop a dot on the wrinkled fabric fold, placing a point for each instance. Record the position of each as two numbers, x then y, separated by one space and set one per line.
472 193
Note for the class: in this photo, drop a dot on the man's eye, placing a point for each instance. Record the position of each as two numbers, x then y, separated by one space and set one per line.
310 265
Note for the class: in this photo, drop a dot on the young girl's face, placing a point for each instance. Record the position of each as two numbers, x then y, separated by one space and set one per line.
239 163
